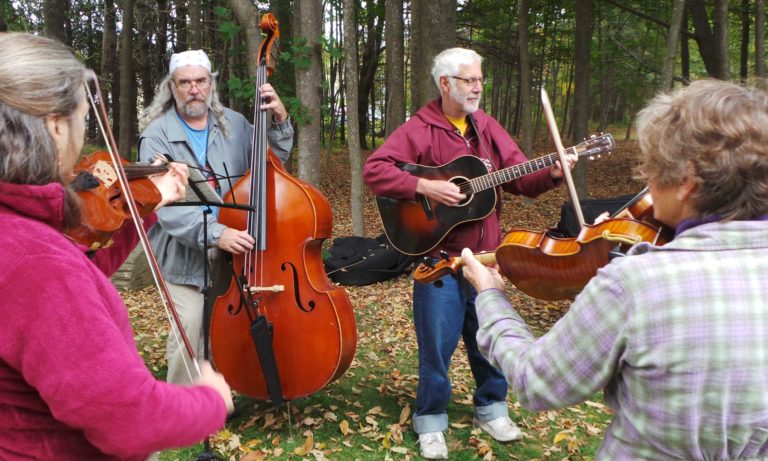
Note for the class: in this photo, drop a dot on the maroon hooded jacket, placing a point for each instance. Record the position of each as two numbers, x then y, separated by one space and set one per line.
429 139
72 383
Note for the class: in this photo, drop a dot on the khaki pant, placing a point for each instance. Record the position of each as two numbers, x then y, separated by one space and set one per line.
189 305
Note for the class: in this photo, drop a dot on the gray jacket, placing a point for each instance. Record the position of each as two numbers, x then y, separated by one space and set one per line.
178 238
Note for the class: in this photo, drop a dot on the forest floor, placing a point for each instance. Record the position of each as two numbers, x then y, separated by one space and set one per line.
366 413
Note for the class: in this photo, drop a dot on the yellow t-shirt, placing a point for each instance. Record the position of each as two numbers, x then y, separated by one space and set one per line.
460 123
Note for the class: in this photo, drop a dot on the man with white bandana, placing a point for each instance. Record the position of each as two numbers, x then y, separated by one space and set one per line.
187 122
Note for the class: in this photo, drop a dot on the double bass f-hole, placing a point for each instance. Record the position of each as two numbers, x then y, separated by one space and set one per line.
296 292
270 289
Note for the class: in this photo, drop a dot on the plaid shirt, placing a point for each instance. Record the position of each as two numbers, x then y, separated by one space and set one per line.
676 336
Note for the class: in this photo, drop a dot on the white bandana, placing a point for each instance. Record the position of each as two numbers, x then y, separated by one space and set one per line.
189 58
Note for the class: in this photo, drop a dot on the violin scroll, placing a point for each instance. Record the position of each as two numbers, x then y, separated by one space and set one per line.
104 206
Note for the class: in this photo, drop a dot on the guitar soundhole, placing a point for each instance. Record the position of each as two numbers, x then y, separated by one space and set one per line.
465 187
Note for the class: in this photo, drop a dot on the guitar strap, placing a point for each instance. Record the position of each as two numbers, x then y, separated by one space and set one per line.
484 150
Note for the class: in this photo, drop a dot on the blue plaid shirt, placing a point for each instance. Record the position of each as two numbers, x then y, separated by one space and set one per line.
676 336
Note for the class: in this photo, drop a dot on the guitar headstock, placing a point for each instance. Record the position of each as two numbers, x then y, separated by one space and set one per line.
596 145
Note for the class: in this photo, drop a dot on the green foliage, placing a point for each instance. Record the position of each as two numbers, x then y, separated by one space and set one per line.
299 112
299 53
331 47
243 89
229 30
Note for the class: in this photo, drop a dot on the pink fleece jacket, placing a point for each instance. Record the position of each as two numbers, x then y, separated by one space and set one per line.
429 139
72 384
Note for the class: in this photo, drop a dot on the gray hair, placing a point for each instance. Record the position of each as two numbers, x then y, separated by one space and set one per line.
164 100
39 78
717 131
447 63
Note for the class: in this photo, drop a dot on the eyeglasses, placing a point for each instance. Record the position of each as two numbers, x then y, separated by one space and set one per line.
200 83
470 81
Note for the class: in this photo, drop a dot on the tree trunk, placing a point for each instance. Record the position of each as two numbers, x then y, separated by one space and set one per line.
108 54
248 17
711 44
370 62
744 55
760 44
720 20
673 39
395 56
55 20
284 79
581 87
145 26
357 192
433 24
180 27
127 82
685 53
308 15
160 60
195 24
526 129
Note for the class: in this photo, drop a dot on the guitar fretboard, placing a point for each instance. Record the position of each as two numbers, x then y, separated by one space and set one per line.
511 173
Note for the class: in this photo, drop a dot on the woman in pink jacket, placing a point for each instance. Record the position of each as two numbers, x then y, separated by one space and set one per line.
72 384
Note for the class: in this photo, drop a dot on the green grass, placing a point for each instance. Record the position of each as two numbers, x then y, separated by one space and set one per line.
375 400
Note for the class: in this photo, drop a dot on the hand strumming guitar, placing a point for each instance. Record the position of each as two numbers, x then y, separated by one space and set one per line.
444 192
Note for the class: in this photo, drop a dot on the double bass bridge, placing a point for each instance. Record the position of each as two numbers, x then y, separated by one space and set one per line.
269 289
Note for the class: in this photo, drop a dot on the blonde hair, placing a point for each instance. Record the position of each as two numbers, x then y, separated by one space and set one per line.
39 78
717 130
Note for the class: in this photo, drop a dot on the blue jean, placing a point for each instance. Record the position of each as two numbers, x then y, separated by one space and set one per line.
443 311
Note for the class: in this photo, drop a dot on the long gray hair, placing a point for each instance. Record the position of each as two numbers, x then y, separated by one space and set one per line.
164 100
39 78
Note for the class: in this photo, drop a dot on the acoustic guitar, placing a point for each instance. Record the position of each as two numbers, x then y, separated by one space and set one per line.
415 227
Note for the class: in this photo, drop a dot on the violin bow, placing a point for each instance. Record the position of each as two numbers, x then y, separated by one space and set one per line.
100 114
552 124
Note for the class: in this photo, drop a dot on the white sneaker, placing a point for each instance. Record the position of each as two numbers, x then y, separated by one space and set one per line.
501 429
433 445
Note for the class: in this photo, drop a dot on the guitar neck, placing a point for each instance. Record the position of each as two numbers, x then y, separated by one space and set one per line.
511 173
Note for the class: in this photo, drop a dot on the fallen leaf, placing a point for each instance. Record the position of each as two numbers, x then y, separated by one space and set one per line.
309 443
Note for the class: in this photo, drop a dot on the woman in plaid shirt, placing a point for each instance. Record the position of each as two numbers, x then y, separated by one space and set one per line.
676 336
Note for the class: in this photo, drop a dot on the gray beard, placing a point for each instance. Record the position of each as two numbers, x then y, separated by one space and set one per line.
195 109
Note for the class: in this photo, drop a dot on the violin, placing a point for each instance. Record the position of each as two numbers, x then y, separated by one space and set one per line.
549 267
103 207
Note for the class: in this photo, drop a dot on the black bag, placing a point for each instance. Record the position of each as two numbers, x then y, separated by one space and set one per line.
568 226
362 261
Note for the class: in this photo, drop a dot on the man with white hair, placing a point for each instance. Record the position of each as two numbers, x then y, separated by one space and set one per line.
448 127
187 122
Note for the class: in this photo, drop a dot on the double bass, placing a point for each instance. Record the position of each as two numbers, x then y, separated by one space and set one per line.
282 330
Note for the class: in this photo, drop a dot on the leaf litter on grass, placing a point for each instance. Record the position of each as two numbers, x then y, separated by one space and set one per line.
367 413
